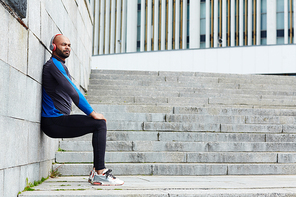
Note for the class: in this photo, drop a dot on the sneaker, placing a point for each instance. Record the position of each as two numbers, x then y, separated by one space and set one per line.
91 176
106 179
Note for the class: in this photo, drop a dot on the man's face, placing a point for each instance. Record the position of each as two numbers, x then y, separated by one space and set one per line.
63 48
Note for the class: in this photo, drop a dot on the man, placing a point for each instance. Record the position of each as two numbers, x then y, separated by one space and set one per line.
58 92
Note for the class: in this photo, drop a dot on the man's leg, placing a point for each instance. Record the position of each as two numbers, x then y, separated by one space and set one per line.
79 125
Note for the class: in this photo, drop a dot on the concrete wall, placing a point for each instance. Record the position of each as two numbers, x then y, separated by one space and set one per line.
240 60
25 152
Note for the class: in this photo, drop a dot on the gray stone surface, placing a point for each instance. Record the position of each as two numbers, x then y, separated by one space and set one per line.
173 126
187 134
124 125
18 36
287 158
46 26
34 142
251 101
32 100
189 169
206 118
4 23
4 87
15 132
87 146
265 128
289 128
270 119
231 157
172 186
131 136
17 87
25 150
210 137
256 169
280 137
11 184
34 18
1 182
118 157
252 146
182 169
135 117
35 62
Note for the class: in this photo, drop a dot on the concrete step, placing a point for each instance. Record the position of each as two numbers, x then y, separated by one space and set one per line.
252 101
123 72
132 92
160 82
144 100
183 169
170 186
179 157
234 111
193 101
231 119
189 137
199 127
190 109
187 93
136 117
191 74
226 78
183 91
186 126
222 119
160 146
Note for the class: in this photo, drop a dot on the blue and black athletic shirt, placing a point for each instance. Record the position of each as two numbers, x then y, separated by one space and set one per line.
58 90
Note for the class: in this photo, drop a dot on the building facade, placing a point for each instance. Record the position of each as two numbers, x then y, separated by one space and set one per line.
122 26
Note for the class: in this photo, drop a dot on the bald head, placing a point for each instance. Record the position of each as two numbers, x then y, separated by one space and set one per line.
63 47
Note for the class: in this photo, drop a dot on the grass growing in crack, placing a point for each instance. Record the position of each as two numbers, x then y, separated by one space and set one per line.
61 150
29 186
55 173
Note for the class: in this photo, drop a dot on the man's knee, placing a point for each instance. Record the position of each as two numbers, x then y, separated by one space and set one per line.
101 124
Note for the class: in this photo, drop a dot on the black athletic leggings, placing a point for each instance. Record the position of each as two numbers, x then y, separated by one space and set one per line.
69 126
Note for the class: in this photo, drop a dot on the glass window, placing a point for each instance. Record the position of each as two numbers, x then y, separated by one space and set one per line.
202 26
263 6
280 40
202 21
202 45
280 5
263 41
263 22
280 21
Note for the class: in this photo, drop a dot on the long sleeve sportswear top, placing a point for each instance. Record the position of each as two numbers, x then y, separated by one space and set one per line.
58 90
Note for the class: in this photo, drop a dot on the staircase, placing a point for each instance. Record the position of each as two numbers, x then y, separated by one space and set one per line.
186 123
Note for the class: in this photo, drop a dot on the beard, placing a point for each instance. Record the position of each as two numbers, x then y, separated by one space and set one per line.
62 54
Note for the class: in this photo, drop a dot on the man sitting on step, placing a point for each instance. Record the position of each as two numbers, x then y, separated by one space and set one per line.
58 92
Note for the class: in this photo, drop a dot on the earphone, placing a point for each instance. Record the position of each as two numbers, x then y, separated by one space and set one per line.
52 46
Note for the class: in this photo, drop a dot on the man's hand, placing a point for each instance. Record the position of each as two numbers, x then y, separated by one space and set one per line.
97 116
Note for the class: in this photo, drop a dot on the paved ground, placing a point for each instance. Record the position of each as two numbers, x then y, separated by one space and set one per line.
171 186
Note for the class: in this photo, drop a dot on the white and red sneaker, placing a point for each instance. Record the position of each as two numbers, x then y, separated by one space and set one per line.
91 176
106 179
